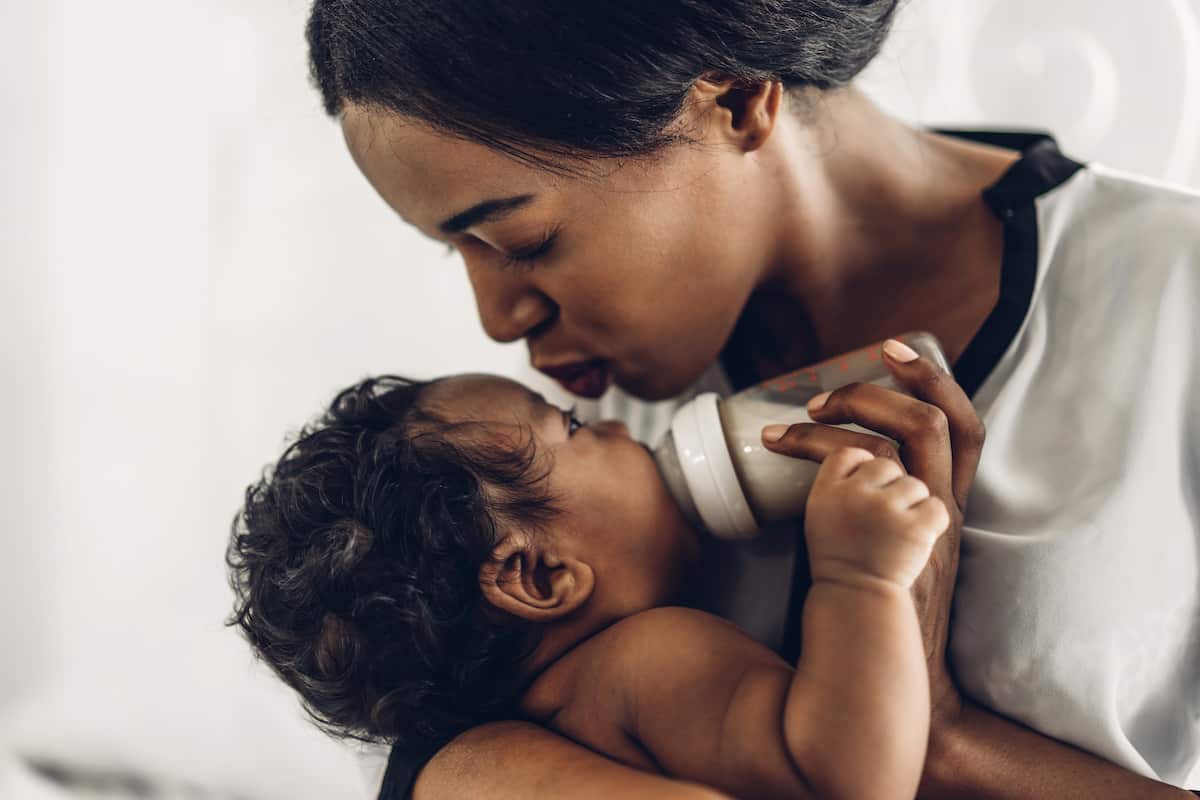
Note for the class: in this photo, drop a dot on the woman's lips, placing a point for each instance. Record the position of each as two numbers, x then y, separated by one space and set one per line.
584 378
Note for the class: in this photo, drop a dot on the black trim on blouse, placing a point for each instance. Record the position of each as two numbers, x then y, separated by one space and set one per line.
1041 168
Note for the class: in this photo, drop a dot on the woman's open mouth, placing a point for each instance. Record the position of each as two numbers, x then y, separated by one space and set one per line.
584 378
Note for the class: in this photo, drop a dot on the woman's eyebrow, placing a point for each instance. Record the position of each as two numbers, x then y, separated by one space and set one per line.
486 211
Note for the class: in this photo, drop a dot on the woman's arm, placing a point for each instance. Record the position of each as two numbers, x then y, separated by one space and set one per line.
975 753
524 761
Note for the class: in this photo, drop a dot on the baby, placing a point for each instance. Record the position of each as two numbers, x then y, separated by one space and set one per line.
430 556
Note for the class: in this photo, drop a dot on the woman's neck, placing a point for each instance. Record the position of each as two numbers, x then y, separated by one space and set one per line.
882 229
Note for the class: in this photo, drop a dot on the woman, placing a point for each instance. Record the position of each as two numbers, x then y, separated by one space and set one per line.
641 190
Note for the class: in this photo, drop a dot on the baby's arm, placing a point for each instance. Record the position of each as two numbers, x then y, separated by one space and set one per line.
709 704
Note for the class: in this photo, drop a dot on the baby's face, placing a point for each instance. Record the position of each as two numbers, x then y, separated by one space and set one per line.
616 513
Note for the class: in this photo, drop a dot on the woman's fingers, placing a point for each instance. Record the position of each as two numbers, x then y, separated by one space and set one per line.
920 428
929 383
817 442
939 432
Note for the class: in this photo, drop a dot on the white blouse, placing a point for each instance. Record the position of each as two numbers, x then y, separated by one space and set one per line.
1078 605
1077 610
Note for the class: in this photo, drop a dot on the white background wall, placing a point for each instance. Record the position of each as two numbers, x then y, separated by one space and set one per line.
192 265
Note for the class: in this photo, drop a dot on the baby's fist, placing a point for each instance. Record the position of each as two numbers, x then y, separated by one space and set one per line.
867 518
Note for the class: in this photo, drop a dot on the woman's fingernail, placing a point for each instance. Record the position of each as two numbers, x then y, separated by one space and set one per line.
818 402
773 433
899 351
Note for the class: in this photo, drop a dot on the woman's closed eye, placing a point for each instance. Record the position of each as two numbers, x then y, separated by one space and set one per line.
521 257
527 257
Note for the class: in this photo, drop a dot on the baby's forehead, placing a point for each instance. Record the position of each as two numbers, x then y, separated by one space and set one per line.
479 397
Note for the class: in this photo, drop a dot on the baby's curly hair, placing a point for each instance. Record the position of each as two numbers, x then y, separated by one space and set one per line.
355 561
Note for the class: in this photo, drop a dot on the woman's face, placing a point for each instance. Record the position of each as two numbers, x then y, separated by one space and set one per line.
615 513
634 273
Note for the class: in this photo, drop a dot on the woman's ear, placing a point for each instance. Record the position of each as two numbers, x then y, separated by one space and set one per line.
533 583
744 112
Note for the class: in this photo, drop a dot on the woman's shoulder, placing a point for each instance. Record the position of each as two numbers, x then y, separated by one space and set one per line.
1126 202
1107 223
1144 186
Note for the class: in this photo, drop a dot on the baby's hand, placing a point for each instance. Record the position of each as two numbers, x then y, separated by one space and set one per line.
866 517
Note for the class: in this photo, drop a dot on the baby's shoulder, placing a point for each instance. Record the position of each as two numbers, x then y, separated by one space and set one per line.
639 656
607 657
591 692
658 647
668 649
613 663
666 629
671 664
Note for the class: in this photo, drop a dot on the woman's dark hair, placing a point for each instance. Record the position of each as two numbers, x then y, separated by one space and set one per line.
355 565
570 78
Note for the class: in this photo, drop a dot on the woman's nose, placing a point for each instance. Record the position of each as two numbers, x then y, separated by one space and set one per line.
509 308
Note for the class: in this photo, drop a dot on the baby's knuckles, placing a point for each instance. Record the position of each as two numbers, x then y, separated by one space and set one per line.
855 526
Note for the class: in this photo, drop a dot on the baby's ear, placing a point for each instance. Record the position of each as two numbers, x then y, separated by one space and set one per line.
533 583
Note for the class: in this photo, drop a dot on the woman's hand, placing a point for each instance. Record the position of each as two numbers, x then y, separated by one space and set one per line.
940 438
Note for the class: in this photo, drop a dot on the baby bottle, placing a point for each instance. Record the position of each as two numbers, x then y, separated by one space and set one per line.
713 461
